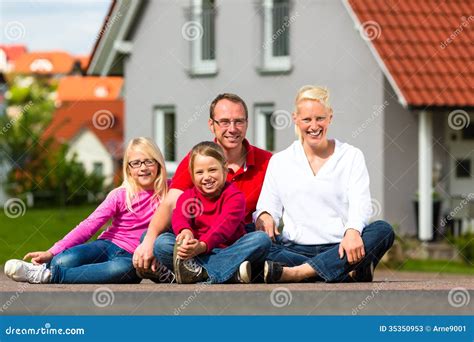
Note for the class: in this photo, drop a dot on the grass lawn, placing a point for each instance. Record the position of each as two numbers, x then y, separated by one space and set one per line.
37 229
438 266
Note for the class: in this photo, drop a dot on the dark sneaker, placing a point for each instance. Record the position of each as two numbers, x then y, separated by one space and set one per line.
162 275
243 275
363 274
188 271
272 271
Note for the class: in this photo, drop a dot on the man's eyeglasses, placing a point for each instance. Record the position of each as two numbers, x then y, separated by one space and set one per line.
135 164
225 123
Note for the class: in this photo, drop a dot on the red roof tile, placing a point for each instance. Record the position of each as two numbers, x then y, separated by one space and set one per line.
13 51
51 63
103 118
90 88
426 46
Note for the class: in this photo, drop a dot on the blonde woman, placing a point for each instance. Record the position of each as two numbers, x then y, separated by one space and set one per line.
109 258
319 188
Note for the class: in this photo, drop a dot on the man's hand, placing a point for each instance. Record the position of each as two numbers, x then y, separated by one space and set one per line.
266 223
353 246
143 257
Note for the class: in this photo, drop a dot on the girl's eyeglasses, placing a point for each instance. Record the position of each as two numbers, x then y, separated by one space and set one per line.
135 164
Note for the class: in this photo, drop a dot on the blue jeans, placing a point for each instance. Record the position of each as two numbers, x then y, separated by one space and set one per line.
220 263
96 262
377 237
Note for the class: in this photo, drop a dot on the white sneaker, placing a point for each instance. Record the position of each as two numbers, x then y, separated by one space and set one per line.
20 270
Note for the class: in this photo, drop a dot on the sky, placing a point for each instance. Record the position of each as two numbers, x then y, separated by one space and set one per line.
66 25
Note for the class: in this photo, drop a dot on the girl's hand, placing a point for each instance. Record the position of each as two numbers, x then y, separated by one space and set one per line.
38 258
193 248
184 237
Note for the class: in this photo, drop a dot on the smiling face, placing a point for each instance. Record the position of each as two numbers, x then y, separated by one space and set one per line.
208 175
229 137
144 176
312 120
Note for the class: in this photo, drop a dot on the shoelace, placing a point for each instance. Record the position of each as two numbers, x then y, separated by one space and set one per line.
35 274
192 265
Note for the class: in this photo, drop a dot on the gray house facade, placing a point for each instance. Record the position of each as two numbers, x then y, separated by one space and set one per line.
176 56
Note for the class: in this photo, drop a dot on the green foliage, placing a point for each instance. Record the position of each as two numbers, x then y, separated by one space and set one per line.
38 164
465 246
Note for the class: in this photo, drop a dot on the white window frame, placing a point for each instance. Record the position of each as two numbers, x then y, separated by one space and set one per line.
198 65
271 63
159 134
262 111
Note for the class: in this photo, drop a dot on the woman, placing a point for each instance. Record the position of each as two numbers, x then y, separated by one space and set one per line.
319 188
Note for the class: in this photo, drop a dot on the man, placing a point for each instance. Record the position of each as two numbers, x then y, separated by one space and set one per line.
247 165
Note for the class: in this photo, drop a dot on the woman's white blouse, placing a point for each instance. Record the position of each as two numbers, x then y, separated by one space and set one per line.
317 209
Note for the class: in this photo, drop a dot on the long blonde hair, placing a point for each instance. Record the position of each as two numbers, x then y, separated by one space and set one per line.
147 146
314 93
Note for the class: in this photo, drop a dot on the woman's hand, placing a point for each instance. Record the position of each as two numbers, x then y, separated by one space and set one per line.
353 246
192 248
266 223
143 257
38 258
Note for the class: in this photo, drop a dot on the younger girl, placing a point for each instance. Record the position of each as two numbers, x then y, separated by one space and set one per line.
109 258
209 219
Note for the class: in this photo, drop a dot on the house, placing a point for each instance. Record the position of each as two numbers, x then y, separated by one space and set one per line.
89 119
49 63
400 73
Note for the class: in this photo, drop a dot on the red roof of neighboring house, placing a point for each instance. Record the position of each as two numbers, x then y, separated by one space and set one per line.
78 88
54 62
103 118
13 51
426 47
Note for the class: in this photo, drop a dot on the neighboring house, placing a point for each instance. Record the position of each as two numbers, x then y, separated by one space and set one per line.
90 119
49 63
398 71
94 132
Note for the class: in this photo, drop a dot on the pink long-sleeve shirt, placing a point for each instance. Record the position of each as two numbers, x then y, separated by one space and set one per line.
218 222
126 228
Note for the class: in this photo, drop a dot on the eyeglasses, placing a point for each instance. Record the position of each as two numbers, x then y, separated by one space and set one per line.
225 123
135 164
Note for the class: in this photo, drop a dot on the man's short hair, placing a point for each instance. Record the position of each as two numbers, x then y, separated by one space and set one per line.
231 97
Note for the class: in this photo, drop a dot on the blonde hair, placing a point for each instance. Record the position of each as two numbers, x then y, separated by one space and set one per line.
208 149
313 93
147 146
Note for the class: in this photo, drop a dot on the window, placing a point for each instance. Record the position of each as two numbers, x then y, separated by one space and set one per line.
164 133
276 36
201 31
98 169
265 136
463 168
